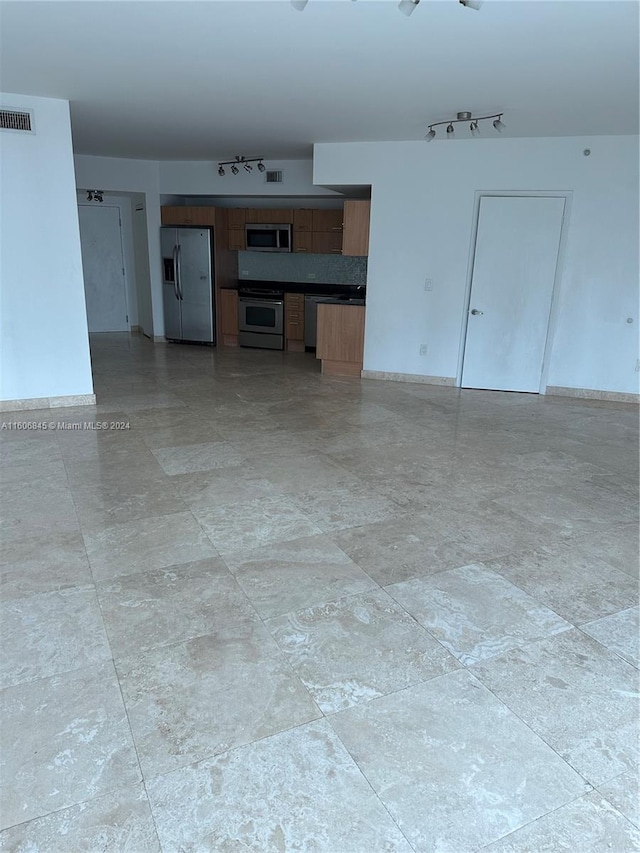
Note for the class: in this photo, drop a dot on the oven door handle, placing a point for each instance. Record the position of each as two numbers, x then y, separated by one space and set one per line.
249 300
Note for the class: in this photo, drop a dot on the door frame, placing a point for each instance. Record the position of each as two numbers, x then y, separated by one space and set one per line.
125 275
567 195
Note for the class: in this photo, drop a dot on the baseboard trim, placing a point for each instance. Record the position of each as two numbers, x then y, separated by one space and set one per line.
159 339
409 377
135 330
31 403
593 394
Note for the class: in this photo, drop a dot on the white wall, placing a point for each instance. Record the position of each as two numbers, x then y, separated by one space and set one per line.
141 256
116 175
44 346
201 178
421 226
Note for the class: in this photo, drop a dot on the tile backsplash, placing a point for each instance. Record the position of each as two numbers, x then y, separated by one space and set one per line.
320 269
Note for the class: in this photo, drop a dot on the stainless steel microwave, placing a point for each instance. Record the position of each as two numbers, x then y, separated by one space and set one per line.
268 238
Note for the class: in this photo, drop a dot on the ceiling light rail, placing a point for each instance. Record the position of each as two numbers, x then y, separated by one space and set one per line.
238 162
407 7
463 118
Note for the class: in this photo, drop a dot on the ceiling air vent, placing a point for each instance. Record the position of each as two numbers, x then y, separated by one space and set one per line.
20 120
274 177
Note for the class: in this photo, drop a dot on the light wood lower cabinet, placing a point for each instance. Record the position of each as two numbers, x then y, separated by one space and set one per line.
340 339
294 322
228 320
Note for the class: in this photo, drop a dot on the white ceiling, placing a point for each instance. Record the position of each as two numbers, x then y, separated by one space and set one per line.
208 80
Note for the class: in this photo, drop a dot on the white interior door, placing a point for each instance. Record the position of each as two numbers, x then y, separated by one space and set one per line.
516 255
103 268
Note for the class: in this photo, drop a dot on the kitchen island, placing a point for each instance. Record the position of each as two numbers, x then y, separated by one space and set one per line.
340 342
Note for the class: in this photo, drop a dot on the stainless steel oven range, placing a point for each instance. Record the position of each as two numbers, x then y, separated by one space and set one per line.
261 318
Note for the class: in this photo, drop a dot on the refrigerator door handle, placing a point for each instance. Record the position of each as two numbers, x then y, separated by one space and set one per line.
179 277
175 272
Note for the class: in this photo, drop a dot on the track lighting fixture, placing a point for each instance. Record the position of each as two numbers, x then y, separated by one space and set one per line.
238 161
408 7
471 4
464 117
95 195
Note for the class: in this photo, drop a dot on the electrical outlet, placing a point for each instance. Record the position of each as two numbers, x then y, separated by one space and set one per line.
311 275
638 366
428 284
423 349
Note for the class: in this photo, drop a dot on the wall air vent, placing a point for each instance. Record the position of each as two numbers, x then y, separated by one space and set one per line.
273 177
19 120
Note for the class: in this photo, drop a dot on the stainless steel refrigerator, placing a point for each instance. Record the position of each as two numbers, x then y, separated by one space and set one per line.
187 292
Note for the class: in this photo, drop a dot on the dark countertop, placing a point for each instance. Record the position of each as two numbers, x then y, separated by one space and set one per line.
315 287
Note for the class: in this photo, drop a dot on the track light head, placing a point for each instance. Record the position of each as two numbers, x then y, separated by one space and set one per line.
431 135
299 4
471 4
248 167
499 126
408 7
261 167
221 171
475 130
450 131
234 170
89 195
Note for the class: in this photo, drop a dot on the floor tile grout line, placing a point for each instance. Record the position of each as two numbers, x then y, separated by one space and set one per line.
511 710
551 812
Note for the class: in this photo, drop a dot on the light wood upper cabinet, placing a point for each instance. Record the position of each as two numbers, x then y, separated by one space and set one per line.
237 240
326 242
303 219
355 236
327 220
236 217
173 215
269 216
303 241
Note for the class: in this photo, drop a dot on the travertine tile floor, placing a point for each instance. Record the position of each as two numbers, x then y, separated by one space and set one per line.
282 612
